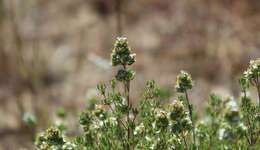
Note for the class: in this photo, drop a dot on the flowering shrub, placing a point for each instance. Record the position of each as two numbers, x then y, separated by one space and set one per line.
116 124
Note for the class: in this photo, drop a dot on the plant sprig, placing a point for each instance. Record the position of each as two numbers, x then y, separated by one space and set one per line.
115 124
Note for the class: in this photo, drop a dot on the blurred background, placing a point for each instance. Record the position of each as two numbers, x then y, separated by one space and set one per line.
53 53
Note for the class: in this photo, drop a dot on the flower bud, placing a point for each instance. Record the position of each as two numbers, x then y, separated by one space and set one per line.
177 110
161 120
85 118
125 75
53 136
100 113
101 88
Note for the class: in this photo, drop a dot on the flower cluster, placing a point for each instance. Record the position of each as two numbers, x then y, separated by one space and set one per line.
183 82
253 71
161 119
52 139
125 75
249 110
251 77
121 54
180 121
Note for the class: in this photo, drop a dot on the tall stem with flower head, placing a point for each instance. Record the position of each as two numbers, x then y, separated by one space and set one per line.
183 84
251 77
123 57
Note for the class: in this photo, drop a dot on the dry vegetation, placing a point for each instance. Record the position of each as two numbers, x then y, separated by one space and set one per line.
53 53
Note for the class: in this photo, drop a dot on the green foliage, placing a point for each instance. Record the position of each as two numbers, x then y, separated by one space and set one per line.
251 77
154 125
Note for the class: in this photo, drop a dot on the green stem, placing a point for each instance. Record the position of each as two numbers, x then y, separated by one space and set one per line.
191 118
113 111
185 142
127 90
250 133
258 90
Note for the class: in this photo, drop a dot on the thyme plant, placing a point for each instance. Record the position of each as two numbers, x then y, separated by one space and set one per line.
114 123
